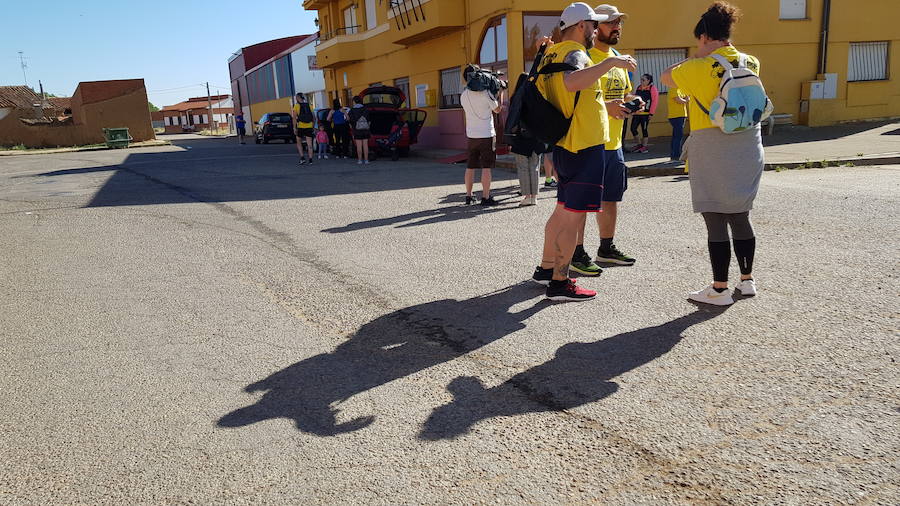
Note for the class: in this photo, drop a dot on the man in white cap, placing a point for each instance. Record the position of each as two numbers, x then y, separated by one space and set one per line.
617 87
579 155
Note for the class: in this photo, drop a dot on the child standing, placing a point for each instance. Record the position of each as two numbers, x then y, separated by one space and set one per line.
322 140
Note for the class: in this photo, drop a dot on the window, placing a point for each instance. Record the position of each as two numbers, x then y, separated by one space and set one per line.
403 84
450 88
167 121
533 28
421 96
868 61
654 62
792 9
350 26
371 20
493 45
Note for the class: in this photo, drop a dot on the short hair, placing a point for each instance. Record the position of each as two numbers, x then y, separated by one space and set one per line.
717 21
357 99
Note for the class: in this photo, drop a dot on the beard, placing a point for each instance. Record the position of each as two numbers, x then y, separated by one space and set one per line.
612 39
589 41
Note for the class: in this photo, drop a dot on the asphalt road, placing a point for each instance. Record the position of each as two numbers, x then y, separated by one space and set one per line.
220 325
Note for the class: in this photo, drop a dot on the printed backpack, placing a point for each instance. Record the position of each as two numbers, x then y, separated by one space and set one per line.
742 102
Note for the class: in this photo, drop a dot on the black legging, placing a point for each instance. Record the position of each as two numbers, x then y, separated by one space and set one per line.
640 119
742 236
342 138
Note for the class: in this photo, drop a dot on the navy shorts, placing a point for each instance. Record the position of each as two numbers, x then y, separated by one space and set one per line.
580 178
615 176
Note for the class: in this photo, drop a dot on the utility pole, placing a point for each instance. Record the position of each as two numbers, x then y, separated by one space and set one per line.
24 66
209 102
41 85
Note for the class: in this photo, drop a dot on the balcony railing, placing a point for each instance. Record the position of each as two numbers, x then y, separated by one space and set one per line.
413 20
348 30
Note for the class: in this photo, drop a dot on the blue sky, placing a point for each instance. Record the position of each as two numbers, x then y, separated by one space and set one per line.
171 44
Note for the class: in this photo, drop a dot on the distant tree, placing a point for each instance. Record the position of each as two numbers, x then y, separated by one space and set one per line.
153 108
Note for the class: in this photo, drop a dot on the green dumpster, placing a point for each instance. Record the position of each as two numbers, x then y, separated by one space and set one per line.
117 137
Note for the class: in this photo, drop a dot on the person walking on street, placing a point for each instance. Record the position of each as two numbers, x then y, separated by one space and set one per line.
677 102
241 126
359 121
641 119
304 121
479 108
616 87
341 127
725 168
579 156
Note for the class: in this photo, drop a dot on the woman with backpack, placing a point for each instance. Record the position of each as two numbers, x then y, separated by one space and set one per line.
341 128
725 167
359 120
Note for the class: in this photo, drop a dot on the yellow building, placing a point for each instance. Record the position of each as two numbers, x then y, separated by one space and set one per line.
421 46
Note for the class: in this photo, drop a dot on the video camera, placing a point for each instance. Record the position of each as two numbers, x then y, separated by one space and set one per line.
479 79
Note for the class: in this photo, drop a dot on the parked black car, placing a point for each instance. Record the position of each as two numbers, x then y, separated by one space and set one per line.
275 125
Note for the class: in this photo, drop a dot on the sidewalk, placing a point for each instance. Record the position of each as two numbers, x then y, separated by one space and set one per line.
789 146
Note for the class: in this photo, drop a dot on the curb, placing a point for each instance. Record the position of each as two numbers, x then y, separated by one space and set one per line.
654 171
52 151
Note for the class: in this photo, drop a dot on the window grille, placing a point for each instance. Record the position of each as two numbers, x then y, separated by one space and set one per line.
450 88
868 61
655 62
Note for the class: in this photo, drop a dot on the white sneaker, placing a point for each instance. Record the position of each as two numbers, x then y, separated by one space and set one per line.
710 296
747 287
359 162
366 162
326 157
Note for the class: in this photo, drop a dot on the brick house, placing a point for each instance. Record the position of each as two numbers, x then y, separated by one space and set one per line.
192 115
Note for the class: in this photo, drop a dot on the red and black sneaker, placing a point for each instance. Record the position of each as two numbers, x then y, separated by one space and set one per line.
568 291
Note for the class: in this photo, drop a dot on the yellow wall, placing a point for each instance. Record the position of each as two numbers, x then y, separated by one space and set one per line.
788 49
277 105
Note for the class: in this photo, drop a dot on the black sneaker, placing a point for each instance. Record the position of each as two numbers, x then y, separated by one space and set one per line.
568 291
302 161
582 264
542 276
613 256
469 199
489 201
550 184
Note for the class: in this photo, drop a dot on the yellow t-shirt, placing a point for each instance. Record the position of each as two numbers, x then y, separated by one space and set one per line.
589 125
699 78
301 124
615 84
676 110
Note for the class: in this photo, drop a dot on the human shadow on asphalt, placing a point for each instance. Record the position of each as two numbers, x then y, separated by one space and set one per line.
220 170
390 347
426 217
579 374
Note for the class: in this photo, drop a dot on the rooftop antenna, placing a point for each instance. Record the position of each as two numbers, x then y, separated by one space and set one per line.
24 66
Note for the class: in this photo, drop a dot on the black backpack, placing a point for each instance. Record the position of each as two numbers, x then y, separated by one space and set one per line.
306 115
530 111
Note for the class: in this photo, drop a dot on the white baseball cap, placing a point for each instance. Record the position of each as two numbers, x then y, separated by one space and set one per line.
610 11
578 12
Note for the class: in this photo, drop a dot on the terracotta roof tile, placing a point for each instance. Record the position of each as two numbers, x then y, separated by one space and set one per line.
18 96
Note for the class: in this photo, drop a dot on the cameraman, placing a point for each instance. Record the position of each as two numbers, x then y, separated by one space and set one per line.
480 107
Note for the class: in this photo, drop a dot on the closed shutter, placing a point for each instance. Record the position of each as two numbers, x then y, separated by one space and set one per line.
868 61
655 62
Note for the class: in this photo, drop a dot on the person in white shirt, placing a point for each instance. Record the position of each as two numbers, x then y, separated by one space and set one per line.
480 107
